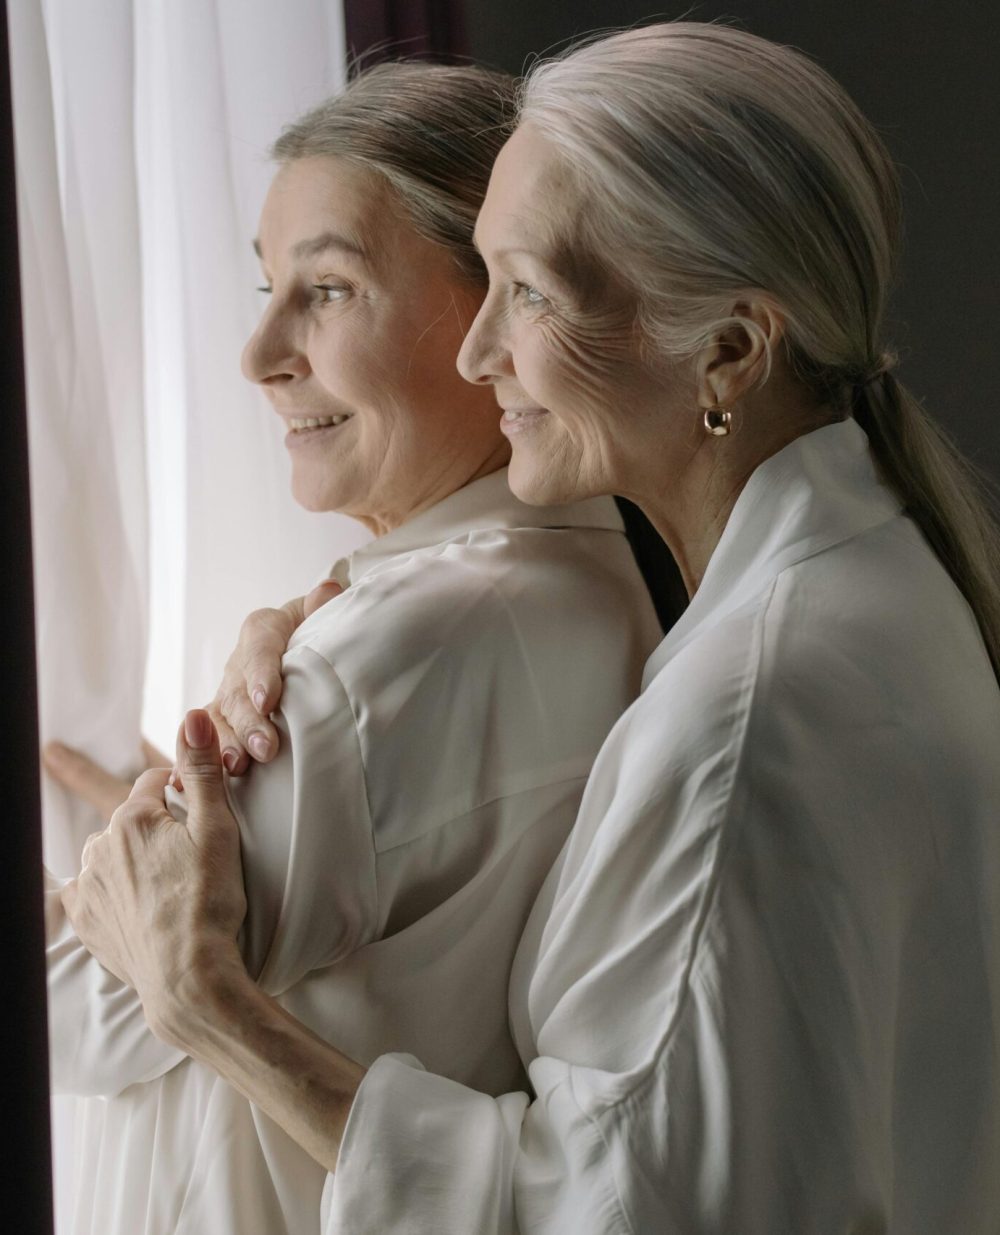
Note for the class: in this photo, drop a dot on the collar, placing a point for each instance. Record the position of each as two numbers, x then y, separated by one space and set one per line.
483 505
819 491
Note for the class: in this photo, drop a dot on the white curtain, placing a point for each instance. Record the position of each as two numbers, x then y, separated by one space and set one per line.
160 496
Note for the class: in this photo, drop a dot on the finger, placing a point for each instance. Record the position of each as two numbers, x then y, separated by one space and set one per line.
70 897
88 848
320 594
155 758
151 784
234 757
87 779
200 763
254 733
263 640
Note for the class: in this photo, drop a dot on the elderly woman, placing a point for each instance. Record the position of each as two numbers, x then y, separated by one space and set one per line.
439 717
760 990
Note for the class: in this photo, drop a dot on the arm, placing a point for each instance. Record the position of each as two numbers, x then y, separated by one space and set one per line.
99 1042
415 1146
308 863
86 779
193 985
712 983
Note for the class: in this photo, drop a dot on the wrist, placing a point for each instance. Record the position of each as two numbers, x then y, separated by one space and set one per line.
220 1017
202 1000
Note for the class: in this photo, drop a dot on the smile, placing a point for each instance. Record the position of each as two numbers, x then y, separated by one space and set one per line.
315 422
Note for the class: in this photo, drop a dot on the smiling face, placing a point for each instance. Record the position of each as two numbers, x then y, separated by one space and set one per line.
556 337
356 350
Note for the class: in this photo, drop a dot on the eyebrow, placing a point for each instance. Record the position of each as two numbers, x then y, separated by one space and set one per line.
559 261
509 251
520 252
322 244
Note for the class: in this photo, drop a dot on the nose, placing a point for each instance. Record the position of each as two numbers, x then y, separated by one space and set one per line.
272 355
484 356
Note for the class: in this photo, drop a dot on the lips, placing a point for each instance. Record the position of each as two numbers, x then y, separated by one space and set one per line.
520 419
512 414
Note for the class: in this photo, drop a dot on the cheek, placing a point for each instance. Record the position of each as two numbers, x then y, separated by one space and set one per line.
356 361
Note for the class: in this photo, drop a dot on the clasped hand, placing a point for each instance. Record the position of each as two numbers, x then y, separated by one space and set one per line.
160 903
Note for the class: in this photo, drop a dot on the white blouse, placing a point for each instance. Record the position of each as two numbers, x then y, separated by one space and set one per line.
760 991
438 723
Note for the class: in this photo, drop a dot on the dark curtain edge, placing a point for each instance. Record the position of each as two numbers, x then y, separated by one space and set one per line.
27 1160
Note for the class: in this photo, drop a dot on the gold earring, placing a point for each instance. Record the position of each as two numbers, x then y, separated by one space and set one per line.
718 422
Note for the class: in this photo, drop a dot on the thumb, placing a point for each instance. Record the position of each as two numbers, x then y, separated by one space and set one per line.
199 764
320 594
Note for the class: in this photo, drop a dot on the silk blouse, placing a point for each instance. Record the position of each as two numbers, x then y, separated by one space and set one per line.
438 722
759 993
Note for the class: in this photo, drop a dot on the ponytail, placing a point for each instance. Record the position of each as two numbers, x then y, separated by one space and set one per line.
942 492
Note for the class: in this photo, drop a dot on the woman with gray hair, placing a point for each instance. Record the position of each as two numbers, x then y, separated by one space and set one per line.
439 715
760 990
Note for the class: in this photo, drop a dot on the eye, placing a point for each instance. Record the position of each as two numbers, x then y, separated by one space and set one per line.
530 295
329 293
267 289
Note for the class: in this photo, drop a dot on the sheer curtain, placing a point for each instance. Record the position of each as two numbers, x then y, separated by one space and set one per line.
160 503
160 486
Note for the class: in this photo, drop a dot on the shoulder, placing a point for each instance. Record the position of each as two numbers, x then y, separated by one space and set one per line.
486 667
487 586
872 630
855 670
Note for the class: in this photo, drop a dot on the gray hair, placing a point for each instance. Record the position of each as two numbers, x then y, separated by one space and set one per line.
715 164
432 131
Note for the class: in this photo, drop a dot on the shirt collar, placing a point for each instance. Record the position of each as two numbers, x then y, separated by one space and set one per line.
820 490
480 506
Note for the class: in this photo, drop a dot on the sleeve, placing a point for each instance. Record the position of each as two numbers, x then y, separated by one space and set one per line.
603 964
704 1001
308 865
306 833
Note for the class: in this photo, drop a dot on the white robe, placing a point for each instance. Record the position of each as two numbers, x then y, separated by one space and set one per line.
760 991
438 723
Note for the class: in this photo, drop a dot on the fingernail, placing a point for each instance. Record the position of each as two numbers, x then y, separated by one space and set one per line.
259 698
197 730
259 746
230 758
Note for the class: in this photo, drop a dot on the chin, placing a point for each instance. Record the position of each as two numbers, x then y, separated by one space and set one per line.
312 497
536 484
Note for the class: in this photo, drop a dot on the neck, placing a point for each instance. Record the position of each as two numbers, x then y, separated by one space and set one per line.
446 479
692 510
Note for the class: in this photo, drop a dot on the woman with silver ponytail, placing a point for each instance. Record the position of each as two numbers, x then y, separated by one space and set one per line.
759 993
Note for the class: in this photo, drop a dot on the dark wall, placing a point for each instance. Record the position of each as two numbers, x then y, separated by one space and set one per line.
925 72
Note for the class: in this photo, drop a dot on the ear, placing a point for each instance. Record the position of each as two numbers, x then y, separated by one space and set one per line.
731 366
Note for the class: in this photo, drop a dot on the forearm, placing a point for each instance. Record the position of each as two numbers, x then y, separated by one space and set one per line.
221 1018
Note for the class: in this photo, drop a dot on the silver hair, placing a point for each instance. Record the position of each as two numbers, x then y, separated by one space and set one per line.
432 131
714 164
